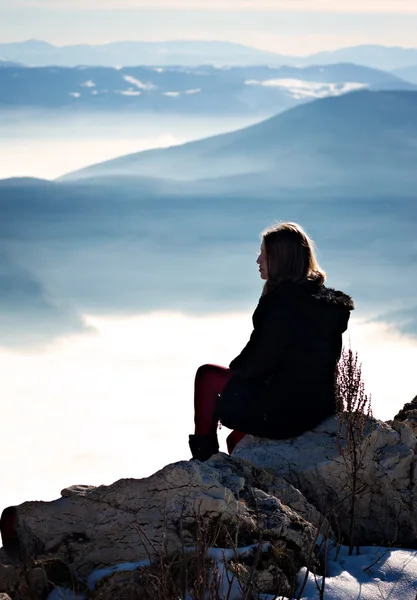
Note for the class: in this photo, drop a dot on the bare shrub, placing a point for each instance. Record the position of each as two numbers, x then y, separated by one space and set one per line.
355 409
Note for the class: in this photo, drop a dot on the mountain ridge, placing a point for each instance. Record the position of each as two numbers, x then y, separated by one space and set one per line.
253 90
41 53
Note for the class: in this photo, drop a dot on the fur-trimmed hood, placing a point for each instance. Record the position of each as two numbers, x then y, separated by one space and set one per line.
311 289
309 299
335 297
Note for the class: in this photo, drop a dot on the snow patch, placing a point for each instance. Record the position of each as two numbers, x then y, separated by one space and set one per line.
374 573
88 84
299 89
102 573
139 84
61 593
130 93
187 92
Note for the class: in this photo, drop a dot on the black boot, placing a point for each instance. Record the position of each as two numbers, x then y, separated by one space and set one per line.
203 446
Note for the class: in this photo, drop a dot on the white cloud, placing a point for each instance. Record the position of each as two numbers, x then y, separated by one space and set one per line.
360 6
75 94
128 405
88 84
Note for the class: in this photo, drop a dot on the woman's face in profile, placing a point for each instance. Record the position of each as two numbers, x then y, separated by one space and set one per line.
263 263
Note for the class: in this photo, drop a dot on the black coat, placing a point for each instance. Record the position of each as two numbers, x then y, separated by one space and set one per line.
284 379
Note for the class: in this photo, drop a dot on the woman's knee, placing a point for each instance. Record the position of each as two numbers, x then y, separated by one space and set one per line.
206 370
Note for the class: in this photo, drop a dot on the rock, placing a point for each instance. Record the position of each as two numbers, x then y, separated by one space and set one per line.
77 490
4 559
35 583
386 511
9 578
406 434
408 415
133 519
263 479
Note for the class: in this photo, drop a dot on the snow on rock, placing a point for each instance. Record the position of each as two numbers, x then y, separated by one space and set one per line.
377 572
61 593
100 574
374 573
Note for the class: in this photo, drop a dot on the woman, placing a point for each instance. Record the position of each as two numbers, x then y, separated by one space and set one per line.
283 383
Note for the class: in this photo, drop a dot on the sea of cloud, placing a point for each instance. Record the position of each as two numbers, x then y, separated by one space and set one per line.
93 409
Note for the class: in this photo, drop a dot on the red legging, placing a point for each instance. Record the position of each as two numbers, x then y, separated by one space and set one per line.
210 381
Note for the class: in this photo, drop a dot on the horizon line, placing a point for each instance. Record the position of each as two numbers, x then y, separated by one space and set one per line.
210 41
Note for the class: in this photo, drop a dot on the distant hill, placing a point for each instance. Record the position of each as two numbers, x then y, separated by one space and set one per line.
204 90
408 74
7 63
378 57
195 53
363 138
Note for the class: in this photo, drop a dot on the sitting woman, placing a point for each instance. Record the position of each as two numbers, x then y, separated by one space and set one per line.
283 383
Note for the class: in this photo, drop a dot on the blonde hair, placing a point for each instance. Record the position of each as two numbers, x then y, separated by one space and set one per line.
290 255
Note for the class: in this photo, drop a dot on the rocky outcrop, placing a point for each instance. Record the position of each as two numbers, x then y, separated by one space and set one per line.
408 415
386 509
36 582
9 578
264 507
91 528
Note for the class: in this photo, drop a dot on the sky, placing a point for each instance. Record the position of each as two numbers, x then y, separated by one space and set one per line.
285 26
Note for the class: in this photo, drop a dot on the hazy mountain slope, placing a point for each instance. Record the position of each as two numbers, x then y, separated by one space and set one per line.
377 57
8 63
369 138
408 74
206 90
